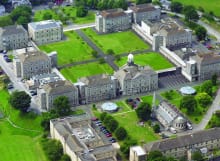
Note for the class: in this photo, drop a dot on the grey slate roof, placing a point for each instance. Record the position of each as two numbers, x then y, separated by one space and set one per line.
96 80
33 56
207 58
185 140
45 24
11 30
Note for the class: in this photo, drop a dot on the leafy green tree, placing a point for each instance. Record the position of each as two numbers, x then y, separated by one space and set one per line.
20 100
121 133
156 128
107 118
125 147
61 106
201 33
117 57
188 102
47 16
22 20
204 99
197 156
154 155
110 52
214 79
176 7
103 115
95 54
190 13
5 21
24 12
112 125
46 117
123 4
65 157
207 87
81 11
143 111
143 1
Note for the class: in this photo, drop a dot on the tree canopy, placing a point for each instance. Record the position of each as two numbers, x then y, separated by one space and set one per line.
5 21
176 7
188 102
200 32
143 1
190 13
81 11
21 14
121 133
61 106
204 99
207 87
20 100
143 111
214 79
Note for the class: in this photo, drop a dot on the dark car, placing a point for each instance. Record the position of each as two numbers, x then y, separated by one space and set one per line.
112 140
10 86
108 135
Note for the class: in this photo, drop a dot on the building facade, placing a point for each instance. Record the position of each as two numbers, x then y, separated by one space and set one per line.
50 91
16 3
2 10
113 20
31 63
137 153
45 31
144 12
97 88
134 79
180 146
80 140
13 37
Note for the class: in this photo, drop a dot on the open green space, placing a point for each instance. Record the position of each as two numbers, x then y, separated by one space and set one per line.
155 60
214 121
71 50
69 12
123 106
119 42
19 144
207 5
195 116
75 72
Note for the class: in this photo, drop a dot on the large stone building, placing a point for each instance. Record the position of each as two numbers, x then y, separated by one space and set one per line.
144 12
137 153
80 140
134 79
168 33
31 63
113 20
202 66
45 31
13 37
50 91
97 88
180 146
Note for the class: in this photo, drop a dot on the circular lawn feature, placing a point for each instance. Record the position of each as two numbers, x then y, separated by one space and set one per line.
109 107
187 90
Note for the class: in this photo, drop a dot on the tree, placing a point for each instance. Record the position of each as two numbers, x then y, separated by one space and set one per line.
110 52
143 111
5 21
122 4
117 57
204 99
61 106
121 133
201 9
197 156
103 115
207 87
21 11
214 79
95 54
176 7
46 117
107 118
112 125
65 157
81 11
47 16
190 13
188 102
143 1
156 128
22 20
20 100
125 147
201 33
154 155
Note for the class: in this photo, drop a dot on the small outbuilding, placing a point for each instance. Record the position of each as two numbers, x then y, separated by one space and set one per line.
109 107
187 90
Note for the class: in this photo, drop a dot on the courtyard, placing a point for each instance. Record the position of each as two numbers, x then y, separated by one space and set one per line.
119 42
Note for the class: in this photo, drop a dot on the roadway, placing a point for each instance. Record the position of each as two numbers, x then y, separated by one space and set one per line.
78 27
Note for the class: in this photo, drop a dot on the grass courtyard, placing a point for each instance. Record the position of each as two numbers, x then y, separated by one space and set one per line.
17 144
71 50
75 72
207 5
119 42
155 60
68 11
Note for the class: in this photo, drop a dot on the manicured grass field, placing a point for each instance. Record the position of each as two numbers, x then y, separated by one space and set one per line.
123 106
75 72
71 50
69 12
207 5
119 42
155 60
17 144
129 121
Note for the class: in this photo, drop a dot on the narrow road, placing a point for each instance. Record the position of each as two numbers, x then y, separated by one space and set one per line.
78 27
99 51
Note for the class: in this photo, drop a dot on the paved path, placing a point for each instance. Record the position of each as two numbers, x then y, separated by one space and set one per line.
107 58
78 27
78 63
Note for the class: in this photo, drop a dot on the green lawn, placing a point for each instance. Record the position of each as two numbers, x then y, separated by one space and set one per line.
149 99
123 106
140 133
69 12
120 42
75 72
155 60
196 116
71 50
207 5
17 144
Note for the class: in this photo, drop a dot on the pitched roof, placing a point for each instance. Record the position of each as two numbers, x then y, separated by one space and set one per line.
112 13
207 58
143 8
96 80
45 24
11 30
185 140
33 56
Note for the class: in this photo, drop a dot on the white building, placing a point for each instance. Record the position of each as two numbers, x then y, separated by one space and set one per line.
45 31
2 10
137 153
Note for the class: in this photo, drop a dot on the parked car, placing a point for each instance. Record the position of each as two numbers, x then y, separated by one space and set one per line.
108 135
94 119
112 140
33 92
10 86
